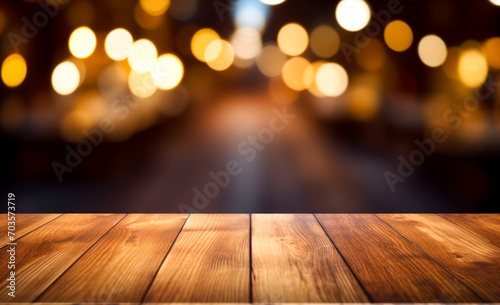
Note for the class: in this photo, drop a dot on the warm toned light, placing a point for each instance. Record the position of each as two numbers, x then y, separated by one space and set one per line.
313 87
331 79
272 2
353 15
168 72
373 56
271 60
118 43
141 84
14 70
146 20
472 68
72 125
142 56
495 2
398 35
363 101
292 39
432 50
325 41
200 41
492 51
154 7
219 55
297 73
82 42
65 78
450 65
246 43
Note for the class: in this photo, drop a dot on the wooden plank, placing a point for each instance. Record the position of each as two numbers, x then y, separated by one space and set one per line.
25 223
209 262
122 265
44 254
293 260
469 257
485 225
389 267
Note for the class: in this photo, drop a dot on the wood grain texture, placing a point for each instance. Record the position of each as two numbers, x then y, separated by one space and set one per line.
25 223
466 255
389 267
485 225
293 260
44 254
122 265
209 262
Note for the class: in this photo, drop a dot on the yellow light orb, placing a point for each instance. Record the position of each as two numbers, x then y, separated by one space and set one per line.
492 50
432 51
313 87
398 35
325 41
271 60
168 72
219 55
472 68
331 79
353 15
155 7
142 56
292 39
272 2
141 84
495 2
200 41
14 70
82 42
65 78
297 73
246 43
118 43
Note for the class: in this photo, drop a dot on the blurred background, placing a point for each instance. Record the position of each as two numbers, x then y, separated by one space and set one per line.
128 106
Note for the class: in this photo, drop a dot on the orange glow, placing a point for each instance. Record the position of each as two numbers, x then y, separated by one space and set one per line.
297 73
398 35
292 39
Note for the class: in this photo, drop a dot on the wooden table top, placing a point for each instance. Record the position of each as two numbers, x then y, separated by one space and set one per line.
254 258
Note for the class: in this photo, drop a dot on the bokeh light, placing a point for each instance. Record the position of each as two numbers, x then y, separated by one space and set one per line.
14 70
398 35
362 101
219 55
154 7
491 49
495 2
249 13
373 56
313 87
246 43
145 20
281 93
142 56
141 84
297 73
450 65
271 60
272 2
292 39
331 79
325 41
472 68
200 41
65 78
432 50
82 42
118 43
168 72
352 15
